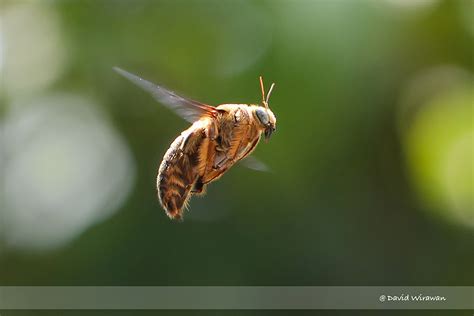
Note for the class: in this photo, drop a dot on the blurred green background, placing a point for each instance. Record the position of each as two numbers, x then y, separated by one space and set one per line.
372 162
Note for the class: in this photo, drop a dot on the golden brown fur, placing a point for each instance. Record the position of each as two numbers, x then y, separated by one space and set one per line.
203 153
218 138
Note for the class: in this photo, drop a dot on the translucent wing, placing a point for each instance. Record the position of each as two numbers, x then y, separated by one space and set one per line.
253 163
188 109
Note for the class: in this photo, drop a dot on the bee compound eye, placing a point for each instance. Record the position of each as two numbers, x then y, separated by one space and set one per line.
263 116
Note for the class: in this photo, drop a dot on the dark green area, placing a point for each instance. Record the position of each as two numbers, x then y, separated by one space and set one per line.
338 207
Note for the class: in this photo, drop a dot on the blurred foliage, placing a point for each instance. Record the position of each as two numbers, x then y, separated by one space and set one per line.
341 205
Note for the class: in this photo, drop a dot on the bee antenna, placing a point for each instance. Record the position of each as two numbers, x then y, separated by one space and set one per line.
269 92
263 92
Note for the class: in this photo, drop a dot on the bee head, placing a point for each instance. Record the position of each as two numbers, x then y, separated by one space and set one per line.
264 114
267 120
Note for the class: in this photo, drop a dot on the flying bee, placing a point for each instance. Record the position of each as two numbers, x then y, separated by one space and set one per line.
218 138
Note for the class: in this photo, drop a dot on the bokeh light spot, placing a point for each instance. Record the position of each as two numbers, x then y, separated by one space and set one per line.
34 54
66 168
439 141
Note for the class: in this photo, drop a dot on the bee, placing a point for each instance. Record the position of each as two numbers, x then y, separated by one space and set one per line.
218 138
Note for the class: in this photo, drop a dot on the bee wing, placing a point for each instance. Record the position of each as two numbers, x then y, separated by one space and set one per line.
255 164
188 109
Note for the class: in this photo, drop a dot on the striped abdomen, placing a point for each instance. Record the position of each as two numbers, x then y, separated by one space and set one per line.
179 171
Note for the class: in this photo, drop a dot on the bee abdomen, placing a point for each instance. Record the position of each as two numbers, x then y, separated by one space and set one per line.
173 197
177 173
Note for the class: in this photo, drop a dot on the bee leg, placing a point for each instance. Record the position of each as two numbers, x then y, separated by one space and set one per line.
212 132
220 163
199 187
224 161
